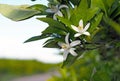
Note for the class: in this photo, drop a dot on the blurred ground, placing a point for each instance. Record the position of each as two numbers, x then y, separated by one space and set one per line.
41 77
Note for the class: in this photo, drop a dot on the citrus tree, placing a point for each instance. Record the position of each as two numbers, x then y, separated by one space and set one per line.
86 31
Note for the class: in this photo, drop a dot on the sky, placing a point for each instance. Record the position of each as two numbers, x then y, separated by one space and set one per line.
13 34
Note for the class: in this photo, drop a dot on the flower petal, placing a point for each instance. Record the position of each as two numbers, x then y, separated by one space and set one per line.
50 11
86 27
54 17
74 43
81 23
77 34
60 44
75 28
72 52
86 33
65 54
59 13
67 39
63 6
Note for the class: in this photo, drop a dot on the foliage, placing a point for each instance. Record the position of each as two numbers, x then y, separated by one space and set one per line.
90 68
24 67
84 25
10 68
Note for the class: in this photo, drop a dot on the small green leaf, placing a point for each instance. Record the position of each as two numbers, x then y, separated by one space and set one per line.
39 7
114 25
51 30
109 2
75 2
35 38
65 21
17 13
91 13
95 22
53 23
51 43
115 9
100 4
79 12
71 59
83 5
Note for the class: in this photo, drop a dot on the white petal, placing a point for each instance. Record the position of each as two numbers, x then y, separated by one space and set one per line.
73 52
59 13
60 44
54 17
57 6
86 33
67 38
65 54
63 6
50 11
75 28
86 27
74 43
81 23
77 34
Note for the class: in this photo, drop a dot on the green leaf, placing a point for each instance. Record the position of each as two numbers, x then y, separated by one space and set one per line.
114 25
67 24
53 23
51 30
75 2
35 38
17 13
91 13
100 4
109 2
103 74
79 12
114 9
52 43
83 12
71 59
95 22
65 21
38 7
83 5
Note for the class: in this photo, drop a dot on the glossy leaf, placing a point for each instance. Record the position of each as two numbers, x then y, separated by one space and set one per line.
114 25
65 21
71 59
95 22
52 43
17 13
75 2
100 4
91 12
51 30
79 12
39 7
35 38
53 23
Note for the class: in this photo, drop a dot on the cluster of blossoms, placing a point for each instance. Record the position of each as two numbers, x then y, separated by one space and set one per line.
69 46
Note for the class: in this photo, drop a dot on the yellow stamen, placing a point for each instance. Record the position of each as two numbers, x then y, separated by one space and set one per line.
80 27
64 46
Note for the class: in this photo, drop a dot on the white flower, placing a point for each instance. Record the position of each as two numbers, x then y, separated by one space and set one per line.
56 10
80 30
68 47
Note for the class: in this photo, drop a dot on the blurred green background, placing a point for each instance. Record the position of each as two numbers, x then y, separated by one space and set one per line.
11 68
